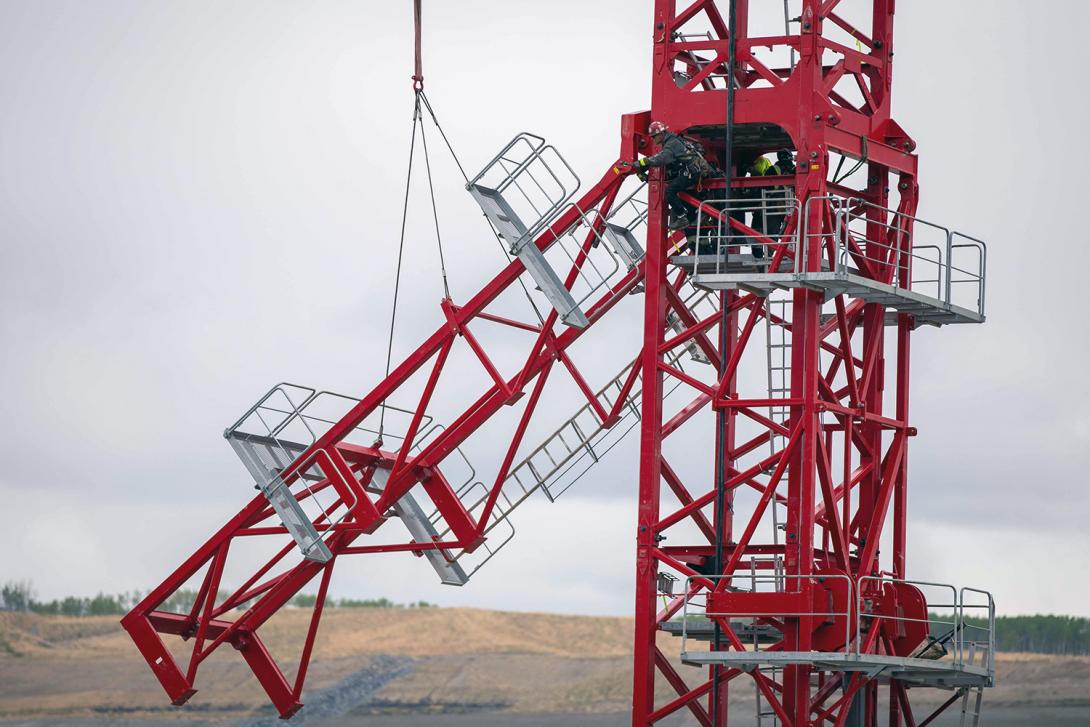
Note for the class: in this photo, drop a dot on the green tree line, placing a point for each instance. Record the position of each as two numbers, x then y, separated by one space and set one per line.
19 596
1067 635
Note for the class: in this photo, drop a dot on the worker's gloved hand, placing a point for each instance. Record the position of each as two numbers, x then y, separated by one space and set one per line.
642 175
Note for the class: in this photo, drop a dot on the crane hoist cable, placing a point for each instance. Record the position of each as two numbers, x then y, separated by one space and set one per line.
721 495
418 93
420 104
439 128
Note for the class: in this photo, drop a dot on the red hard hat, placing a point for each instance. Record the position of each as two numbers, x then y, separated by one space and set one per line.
656 127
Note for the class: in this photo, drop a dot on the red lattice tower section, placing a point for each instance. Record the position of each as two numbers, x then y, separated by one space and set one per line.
769 469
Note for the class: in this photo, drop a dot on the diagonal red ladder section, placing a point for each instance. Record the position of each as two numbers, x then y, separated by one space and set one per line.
345 470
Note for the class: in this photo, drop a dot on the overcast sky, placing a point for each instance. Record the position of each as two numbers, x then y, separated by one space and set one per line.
199 199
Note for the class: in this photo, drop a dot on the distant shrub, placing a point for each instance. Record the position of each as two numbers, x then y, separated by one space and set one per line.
16 596
19 596
1065 635
304 600
367 603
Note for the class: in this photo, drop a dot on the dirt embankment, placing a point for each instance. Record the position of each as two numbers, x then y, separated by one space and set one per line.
381 661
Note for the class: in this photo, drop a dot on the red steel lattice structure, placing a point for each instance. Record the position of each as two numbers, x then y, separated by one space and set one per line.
834 461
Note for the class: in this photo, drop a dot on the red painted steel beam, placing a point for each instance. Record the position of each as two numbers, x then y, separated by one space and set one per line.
840 375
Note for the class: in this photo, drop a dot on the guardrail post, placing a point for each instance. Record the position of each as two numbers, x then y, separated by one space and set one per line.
949 265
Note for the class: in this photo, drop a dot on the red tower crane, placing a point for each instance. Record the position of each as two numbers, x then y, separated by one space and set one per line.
770 389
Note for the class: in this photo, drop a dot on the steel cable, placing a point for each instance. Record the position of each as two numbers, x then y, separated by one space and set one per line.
435 215
721 450
457 161
400 255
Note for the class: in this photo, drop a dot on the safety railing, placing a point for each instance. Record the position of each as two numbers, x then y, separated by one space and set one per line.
273 433
948 631
960 246
902 250
976 637
524 191
765 211
533 180
957 623
295 416
596 265
940 622
269 437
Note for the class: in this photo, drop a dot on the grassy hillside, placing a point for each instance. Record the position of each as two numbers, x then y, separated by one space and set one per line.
447 660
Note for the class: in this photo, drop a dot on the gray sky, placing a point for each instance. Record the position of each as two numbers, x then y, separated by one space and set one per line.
200 199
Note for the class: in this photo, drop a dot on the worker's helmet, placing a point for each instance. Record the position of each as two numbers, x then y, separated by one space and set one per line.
761 165
784 155
656 127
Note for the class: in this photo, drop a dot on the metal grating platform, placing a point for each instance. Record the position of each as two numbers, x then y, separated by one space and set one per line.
704 630
265 457
743 272
920 672
418 524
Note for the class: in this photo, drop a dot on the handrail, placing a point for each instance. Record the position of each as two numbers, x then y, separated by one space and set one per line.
524 136
928 620
536 151
982 250
717 229
857 594
847 210
991 621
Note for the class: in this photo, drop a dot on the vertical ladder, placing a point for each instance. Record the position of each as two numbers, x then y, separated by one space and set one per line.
778 358
973 697
764 711
778 355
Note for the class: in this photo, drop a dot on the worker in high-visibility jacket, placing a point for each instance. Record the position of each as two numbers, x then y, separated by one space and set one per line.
761 167
779 198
